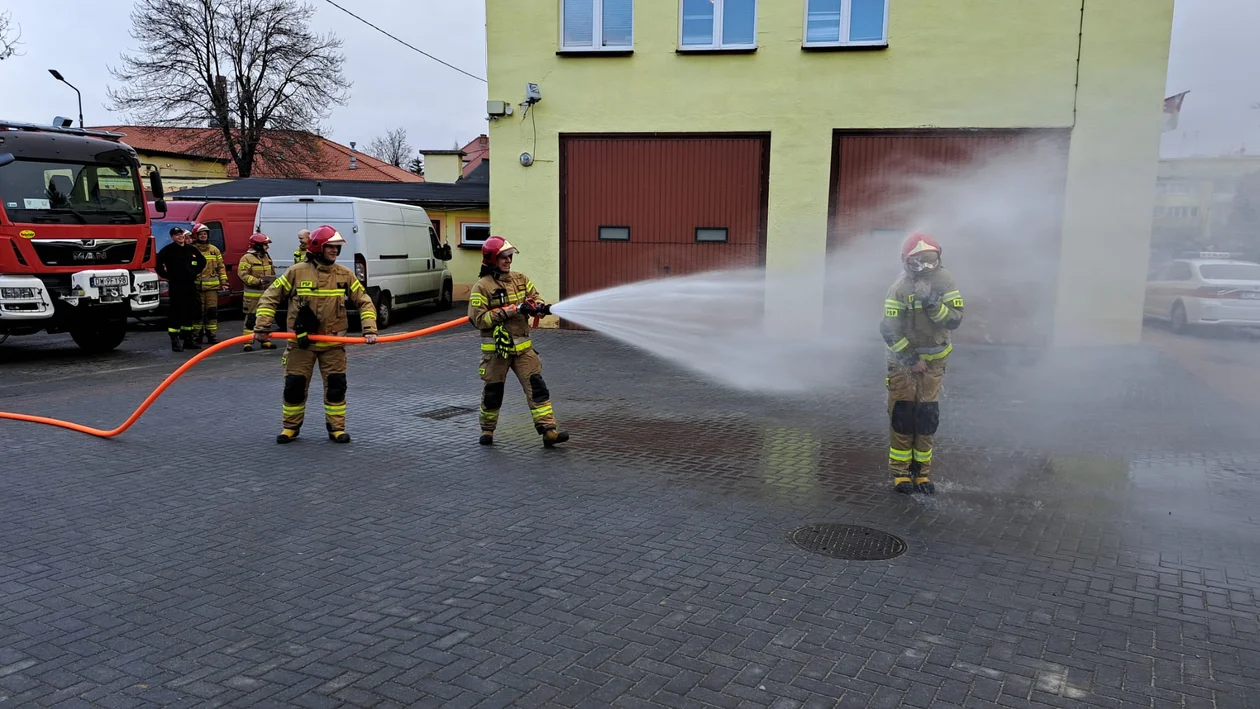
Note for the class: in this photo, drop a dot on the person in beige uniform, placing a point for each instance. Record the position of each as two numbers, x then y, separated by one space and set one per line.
500 305
256 272
922 308
212 280
316 291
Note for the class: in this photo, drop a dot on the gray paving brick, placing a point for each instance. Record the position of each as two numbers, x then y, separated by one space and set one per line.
644 563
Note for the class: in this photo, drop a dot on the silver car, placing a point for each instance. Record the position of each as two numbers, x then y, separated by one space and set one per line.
1212 289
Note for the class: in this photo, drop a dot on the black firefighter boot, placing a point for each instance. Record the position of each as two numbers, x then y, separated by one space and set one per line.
553 437
922 483
190 343
176 344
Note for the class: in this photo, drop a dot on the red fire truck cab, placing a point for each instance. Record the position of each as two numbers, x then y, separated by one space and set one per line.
76 249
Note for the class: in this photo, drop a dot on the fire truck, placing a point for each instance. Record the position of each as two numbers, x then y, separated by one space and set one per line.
76 247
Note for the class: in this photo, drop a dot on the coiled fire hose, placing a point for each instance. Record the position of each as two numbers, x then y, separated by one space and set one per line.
240 339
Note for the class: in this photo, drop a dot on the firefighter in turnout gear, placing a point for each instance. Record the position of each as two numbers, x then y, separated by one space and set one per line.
922 308
213 279
316 291
304 240
500 305
181 264
256 272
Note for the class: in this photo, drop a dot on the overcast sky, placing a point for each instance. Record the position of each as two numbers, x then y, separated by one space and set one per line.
1214 55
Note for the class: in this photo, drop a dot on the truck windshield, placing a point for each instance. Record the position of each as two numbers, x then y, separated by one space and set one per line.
47 192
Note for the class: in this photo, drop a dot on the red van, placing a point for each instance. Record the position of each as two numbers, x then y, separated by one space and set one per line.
231 224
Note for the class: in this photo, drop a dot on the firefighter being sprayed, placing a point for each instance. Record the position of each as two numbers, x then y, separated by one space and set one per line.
500 305
257 273
212 280
922 308
315 292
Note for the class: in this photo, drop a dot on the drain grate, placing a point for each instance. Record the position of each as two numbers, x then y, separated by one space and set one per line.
847 541
446 412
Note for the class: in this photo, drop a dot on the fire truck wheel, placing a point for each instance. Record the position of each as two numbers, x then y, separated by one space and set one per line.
101 337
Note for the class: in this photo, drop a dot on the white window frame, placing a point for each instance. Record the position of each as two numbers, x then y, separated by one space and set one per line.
719 11
846 19
597 31
463 233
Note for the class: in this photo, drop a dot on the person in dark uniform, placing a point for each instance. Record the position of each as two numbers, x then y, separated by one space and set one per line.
180 263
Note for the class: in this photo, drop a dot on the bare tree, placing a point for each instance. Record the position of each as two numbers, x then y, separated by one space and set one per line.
10 33
391 148
252 69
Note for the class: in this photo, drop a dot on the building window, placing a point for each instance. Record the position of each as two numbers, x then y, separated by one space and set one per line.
718 24
473 235
846 23
596 25
710 234
614 233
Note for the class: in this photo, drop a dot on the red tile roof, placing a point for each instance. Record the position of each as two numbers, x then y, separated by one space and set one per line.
333 162
477 150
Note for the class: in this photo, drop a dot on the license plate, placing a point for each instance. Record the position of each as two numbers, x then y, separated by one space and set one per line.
1250 295
98 281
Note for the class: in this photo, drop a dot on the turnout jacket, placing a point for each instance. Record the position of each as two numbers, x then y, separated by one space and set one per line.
325 289
180 264
254 268
919 315
492 293
214 275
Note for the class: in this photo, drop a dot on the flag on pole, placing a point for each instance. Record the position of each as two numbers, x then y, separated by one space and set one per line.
1172 109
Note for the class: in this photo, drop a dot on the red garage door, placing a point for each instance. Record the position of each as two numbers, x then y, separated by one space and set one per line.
883 180
641 207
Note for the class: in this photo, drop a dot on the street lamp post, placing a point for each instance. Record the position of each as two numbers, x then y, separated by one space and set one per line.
57 75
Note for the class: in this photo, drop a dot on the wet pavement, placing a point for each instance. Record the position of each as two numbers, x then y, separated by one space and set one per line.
1092 543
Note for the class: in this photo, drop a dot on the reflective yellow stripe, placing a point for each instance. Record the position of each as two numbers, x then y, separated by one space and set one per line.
516 297
951 295
294 409
937 355
541 412
899 345
266 311
489 415
529 285
321 292
282 282
488 319
901 456
518 347
251 294
923 456
940 314
356 287
334 410
366 315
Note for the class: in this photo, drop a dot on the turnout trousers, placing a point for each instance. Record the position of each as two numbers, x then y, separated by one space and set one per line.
209 313
528 370
249 307
182 309
299 365
914 413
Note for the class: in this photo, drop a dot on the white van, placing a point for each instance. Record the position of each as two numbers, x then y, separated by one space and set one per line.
392 248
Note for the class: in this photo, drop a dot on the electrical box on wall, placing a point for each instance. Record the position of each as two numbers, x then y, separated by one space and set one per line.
532 93
498 108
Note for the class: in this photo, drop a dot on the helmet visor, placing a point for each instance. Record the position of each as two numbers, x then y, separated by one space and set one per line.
924 261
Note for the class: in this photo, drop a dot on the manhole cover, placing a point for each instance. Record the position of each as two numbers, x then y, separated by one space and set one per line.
447 412
846 541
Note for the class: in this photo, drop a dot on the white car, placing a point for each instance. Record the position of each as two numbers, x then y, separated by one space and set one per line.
1210 289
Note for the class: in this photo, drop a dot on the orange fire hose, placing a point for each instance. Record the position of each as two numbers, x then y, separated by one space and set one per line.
206 353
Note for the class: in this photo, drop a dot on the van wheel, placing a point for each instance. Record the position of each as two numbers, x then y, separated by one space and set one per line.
384 310
447 300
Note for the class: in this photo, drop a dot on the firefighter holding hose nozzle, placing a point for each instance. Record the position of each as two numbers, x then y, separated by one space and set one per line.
500 305
922 307
316 291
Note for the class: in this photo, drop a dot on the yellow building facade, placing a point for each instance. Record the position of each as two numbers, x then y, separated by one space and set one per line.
183 171
1092 69
1194 201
